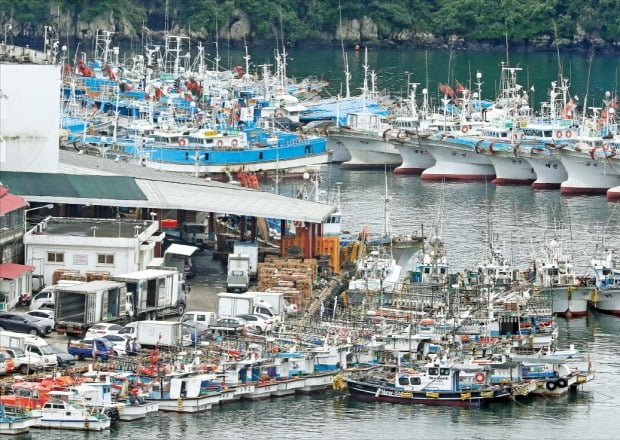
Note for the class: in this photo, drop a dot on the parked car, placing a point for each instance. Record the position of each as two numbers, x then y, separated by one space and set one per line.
102 329
197 331
23 323
257 323
90 347
46 317
229 325
64 358
202 317
119 343
23 362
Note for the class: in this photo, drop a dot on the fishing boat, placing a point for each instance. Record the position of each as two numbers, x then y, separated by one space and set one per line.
187 393
433 384
456 159
13 423
555 276
59 412
607 278
592 167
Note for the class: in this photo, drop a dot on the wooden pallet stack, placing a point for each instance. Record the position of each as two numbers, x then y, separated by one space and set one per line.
67 274
292 276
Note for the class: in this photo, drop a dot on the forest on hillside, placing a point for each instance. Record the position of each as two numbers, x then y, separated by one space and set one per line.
583 22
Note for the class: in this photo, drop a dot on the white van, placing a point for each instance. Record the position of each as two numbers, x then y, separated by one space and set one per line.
129 329
198 316
47 294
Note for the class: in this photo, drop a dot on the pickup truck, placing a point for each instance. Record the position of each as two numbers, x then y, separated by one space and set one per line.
83 348
23 362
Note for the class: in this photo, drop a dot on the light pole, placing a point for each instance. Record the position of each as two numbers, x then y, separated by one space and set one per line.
7 27
48 206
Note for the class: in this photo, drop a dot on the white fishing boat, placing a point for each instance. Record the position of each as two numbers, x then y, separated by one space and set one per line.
592 167
456 160
415 157
607 276
13 423
187 393
59 412
555 276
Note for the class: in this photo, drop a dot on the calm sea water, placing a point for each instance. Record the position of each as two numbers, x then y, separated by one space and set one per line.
462 212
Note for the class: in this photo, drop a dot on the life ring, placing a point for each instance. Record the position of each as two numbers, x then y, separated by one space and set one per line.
279 114
219 143
182 142
551 385
234 143
569 134
464 129
479 377
562 383
558 134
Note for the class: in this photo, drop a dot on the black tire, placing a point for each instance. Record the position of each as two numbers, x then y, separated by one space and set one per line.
562 383
34 332
23 369
551 385
180 309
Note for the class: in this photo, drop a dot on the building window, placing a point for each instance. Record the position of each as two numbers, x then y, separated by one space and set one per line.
105 259
56 257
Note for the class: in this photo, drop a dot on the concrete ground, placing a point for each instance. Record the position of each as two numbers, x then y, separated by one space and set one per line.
210 280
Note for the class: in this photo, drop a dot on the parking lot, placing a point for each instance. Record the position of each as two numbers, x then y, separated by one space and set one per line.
210 279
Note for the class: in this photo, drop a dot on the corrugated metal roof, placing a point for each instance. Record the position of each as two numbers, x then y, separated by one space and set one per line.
73 185
141 187
10 271
10 202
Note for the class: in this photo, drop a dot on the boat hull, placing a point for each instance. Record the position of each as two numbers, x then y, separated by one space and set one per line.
510 170
187 404
369 152
339 150
289 386
550 172
415 158
457 162
17 425
571 301
138 412
587 175
607 301
372 392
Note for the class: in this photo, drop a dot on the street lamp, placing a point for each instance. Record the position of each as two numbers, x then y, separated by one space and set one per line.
48 206
7 27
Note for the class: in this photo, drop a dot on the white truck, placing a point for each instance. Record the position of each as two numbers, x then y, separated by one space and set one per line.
195 234
250 249
238 274
35 348
152 293
160 333
275 300
234 304
80 306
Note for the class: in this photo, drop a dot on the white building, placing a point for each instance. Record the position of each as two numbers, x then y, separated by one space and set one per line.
15 281
89 246
29 111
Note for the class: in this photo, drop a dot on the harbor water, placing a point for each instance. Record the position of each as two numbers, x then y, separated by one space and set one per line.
464 214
